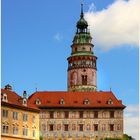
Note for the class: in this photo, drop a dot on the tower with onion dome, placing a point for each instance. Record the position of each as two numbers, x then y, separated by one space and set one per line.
82 62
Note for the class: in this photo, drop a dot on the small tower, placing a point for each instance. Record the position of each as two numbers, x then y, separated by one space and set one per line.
82 62
24 98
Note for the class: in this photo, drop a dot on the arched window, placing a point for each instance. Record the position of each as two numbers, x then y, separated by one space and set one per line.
110 101
25 102
4 98
62 101
37 102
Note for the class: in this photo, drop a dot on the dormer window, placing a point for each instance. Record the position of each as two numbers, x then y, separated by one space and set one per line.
37 102
110 101
25 102
62 101
4 98
86 102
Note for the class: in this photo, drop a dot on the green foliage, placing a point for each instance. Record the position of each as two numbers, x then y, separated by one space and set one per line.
40 138
126 137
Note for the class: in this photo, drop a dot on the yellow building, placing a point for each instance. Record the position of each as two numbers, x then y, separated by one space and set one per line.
19 119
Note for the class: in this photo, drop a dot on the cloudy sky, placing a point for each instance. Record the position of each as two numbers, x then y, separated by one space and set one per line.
36 39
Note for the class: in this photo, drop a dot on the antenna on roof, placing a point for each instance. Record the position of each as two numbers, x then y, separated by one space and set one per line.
110 88
35 87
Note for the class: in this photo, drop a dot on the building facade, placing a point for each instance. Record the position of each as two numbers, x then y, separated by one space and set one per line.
79 115
19 119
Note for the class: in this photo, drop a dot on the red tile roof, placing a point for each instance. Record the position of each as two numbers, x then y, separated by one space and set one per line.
15 100
97 99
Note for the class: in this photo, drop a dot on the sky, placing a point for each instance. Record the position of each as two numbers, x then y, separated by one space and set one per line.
36 40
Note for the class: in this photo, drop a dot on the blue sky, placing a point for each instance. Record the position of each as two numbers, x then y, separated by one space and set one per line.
36 39
32 55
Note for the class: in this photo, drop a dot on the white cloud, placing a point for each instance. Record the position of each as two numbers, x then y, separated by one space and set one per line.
131 121
92 7
58 37
116 25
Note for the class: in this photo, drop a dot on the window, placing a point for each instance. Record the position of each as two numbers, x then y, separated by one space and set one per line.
44 127
62 101
4 97
95 127
110 101
66 127
15 130
104 114
84 79
51 127
5 129
88 127
75 49
15 115
51 114
119 114
111 114
25 102
90 49
83 48
66 114
73 114
34 134
81 114
111 127
103 127
73 127
25 117
37 102
81 127
5 113
118 127
86 101
33 119
95 114
25 132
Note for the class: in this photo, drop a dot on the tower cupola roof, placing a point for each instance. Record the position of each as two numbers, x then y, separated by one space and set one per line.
82 23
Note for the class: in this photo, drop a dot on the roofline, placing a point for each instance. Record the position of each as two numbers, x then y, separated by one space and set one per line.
72 107
20 107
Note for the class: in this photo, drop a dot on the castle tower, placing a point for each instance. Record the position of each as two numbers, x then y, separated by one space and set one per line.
82 62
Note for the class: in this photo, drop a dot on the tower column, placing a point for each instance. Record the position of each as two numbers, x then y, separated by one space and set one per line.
82 62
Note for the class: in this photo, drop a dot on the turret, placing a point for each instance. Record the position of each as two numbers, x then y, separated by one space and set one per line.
82 62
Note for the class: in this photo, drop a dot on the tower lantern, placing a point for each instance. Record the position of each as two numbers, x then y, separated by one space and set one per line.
82 62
